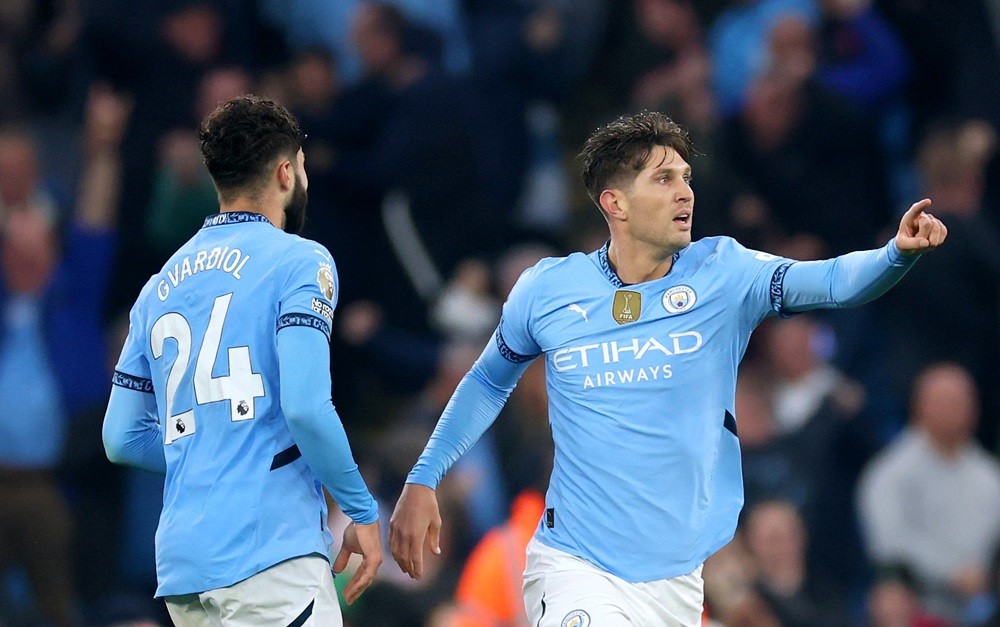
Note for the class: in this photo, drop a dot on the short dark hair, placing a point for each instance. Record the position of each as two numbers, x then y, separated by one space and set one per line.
621 148
242 138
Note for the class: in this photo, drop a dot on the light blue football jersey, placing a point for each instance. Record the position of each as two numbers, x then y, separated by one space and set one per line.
641 382
238 497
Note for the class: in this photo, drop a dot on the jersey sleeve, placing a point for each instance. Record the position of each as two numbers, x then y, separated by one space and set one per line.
513 335
780 286
762 278
307 295
131 426
132 370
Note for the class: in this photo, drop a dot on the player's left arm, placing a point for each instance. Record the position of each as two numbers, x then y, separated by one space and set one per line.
859 277
130 432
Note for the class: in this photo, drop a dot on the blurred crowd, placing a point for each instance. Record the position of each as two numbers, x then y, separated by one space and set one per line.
441 148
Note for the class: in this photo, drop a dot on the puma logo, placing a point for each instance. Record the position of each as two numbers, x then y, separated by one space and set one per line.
580 310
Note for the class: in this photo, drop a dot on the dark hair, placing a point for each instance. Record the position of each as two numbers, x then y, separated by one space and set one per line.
620 148
242 138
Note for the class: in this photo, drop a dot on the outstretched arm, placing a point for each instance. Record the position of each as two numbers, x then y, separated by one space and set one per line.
472 409
859 277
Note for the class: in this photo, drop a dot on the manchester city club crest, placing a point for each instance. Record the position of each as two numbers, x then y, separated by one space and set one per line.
576 618
679 299
626 307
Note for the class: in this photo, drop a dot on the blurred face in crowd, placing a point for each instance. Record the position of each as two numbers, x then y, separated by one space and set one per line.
315 81
892 604
790 347
376 46
946 405
659 204
221 85
18 170
669 23
29 252
776 537
194 32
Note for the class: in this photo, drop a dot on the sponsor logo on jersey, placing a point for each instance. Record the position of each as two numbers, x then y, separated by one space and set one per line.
617 351
627 306
325 280
679 299
580 310
576 618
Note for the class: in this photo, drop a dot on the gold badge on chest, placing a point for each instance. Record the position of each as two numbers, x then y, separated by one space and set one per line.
627 306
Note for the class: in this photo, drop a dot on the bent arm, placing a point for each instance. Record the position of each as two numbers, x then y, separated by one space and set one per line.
473 407
845 281
304 364
130 433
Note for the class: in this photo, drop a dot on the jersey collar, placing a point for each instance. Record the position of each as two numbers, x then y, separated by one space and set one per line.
234 217
609 272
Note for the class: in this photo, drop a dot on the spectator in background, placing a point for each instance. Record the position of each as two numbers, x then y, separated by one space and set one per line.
952 159
53 366
739 43
957 56
812 160
489 590
159 51
861 58
419 144
894 601
663 64
819 418
23 185
777 541
931 500
183 192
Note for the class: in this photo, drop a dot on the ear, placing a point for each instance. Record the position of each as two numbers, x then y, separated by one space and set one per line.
614 203
286 175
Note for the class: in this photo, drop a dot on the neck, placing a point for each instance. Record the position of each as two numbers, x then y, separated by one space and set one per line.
947 449
274 215
637 263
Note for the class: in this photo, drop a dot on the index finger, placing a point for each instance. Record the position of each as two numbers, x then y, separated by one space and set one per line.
916 209
360 580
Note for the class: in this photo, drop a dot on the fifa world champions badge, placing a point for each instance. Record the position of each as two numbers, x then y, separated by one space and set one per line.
626 307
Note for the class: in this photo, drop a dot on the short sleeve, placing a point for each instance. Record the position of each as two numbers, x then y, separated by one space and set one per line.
513 335
132 370
307 295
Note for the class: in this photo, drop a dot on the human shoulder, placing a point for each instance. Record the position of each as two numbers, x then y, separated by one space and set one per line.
550 269
296 247
906 451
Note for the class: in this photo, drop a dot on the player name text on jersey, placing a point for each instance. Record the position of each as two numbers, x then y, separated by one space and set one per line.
226 259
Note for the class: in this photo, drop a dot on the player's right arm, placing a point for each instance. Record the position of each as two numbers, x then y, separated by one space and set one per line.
473 407
303 341
131 432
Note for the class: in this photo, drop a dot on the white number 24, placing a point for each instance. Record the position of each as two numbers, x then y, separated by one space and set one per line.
240 387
